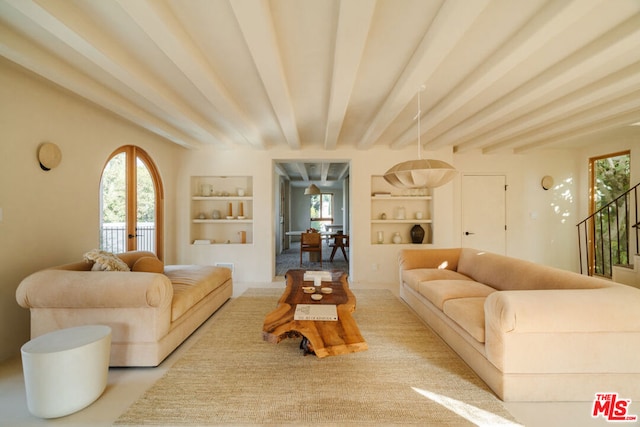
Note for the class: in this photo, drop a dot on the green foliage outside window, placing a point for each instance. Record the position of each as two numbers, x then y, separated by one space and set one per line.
114 192
611 224
321 210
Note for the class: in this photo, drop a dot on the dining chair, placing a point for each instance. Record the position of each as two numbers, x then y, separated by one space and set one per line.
311 241
340 241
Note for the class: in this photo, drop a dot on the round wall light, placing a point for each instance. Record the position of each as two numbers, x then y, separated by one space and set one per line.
49 156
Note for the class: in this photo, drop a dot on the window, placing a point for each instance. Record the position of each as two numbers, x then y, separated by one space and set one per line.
131 201
321 212
609 178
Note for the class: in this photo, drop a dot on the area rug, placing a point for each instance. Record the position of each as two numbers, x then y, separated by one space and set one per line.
408 376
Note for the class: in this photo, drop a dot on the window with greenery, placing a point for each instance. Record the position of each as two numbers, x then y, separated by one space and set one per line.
130 203
321 210
610 178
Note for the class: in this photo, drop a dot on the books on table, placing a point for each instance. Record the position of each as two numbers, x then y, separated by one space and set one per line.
327 312
324 276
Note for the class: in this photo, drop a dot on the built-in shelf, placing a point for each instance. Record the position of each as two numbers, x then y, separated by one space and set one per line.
222 221
396 211
214 198
221 198
401 221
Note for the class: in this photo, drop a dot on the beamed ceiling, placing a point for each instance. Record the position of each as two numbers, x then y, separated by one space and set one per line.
498 75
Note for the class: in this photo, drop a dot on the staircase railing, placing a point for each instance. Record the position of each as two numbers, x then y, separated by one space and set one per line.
610 235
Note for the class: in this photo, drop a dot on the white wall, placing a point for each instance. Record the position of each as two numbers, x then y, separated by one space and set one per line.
256 262
540 223
50 218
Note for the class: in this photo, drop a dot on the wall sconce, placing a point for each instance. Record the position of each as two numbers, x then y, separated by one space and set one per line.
49 156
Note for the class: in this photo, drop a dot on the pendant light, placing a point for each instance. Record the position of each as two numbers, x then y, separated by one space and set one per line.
421 173
312 190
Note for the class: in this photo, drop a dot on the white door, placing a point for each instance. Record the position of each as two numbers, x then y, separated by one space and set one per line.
484 224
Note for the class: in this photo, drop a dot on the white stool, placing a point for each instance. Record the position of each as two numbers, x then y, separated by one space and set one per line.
66 370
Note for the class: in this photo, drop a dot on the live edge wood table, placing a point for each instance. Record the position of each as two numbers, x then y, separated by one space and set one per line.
324 338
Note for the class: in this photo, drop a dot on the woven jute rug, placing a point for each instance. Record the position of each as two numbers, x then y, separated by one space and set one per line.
231 376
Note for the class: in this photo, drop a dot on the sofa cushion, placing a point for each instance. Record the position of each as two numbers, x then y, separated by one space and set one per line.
414 277
148 264
439 291
191 283
468 313
105 261
506 273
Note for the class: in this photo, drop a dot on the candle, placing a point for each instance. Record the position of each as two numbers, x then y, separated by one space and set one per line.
230 210
241 210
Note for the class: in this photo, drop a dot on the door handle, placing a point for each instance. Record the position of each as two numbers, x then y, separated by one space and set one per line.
467 233
131 236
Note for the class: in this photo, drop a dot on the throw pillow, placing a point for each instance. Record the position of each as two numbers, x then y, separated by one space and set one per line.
148 264
105 261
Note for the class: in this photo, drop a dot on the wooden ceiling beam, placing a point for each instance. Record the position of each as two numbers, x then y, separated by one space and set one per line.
609 53
52 68
447 29
84 41
168 35
604 91
354 21
620 111
581 131
257 27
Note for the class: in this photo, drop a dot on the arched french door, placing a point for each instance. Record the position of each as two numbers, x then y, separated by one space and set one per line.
131 203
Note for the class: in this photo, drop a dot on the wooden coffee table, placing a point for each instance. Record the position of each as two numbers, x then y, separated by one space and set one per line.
324 338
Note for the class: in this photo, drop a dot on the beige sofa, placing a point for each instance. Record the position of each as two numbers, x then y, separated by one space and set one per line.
150 313
531 332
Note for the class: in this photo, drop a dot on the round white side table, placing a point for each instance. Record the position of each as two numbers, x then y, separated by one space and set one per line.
66 370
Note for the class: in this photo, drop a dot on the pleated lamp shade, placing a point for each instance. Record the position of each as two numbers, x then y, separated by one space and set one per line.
420 173
312 189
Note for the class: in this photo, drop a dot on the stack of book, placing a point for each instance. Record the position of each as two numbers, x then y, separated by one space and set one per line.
316 312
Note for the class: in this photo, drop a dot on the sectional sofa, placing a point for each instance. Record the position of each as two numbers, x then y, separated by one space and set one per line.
151 309
531 332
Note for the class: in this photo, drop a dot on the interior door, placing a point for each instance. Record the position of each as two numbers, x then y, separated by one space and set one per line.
484 207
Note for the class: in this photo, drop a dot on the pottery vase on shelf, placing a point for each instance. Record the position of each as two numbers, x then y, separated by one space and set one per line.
206 190
417 234
397 238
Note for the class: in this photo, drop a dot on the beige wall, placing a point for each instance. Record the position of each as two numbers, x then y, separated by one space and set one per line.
52 217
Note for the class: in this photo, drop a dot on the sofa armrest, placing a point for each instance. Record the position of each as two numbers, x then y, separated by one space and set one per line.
564 310
97 289
131 257
563 331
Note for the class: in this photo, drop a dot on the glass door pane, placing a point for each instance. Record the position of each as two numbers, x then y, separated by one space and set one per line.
146 208
113 188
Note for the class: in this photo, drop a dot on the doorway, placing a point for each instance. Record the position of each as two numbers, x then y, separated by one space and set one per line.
295 211
484 224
